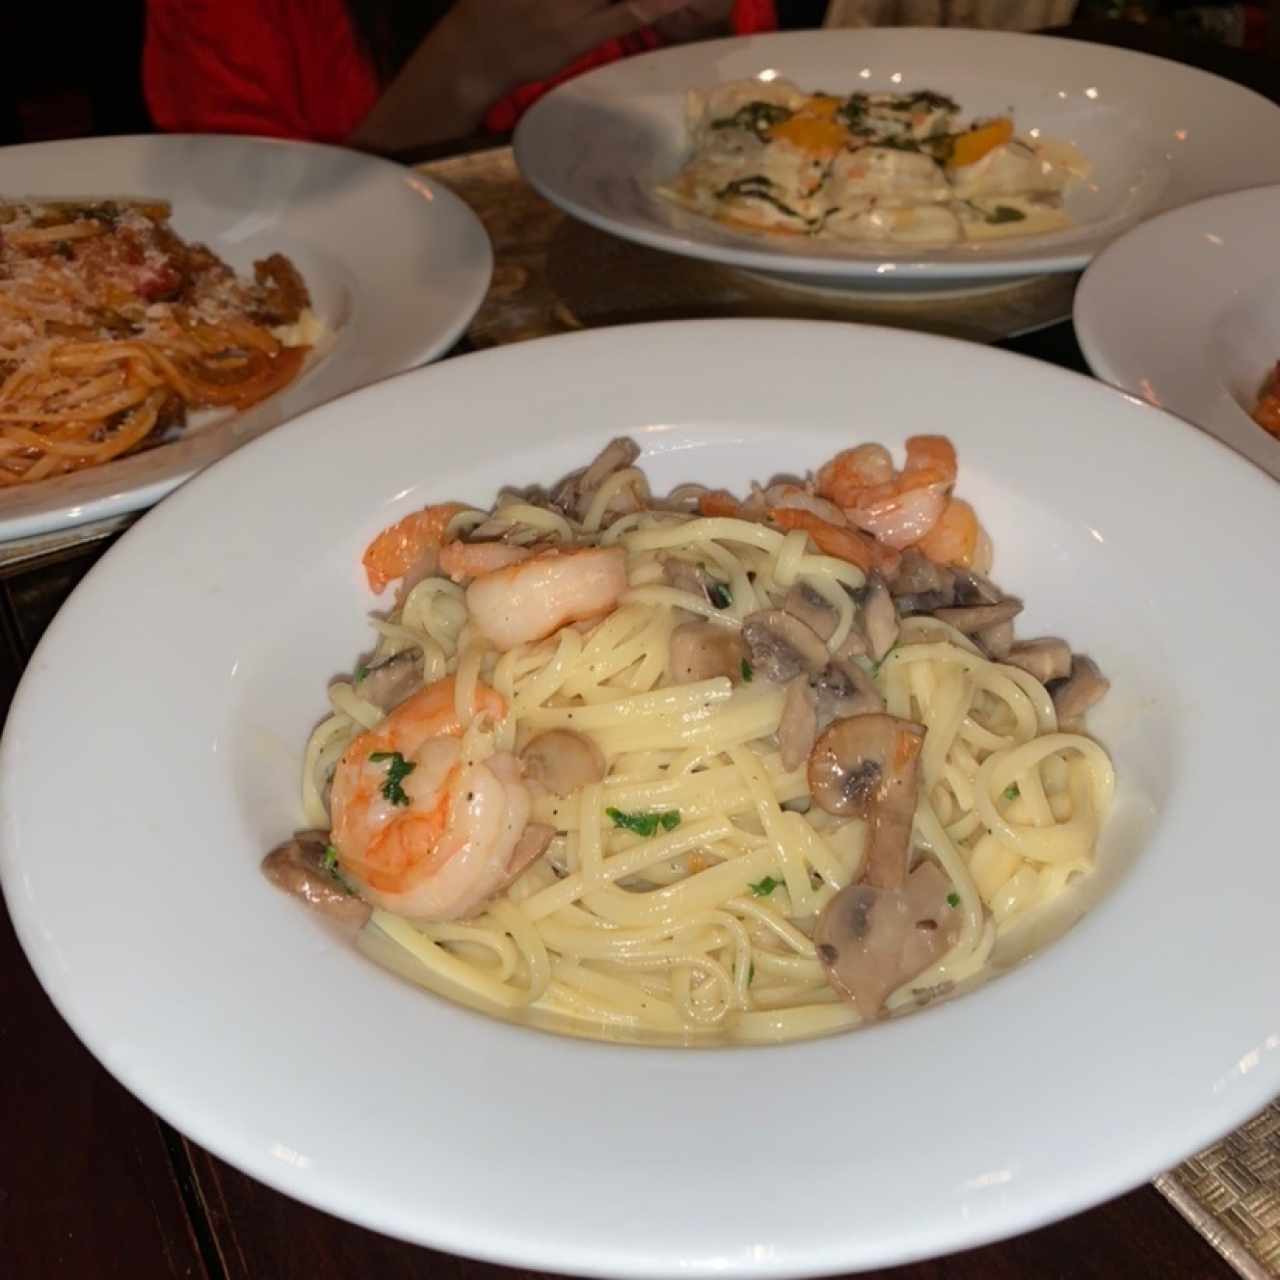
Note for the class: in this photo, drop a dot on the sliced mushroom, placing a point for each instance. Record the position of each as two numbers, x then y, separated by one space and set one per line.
854 646
972 619
918 575
704 650
298 867
529 848
780 646
867 766
798 727
842 689
562 761
974 588
574 493
684 497
388 683
616 455
996 641
813 609
1047 658
789 493
685 576
1084 688
871 940
879 618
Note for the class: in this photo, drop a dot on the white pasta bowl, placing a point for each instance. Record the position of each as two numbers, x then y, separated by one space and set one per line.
1185 312
1158 135
137 798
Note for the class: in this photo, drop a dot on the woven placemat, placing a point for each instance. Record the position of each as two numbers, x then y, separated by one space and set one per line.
554 274
1231 1195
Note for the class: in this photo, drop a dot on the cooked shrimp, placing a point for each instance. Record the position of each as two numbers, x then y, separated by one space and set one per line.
932 453
527 602
852 471
464 560
954 538
719 504
839 541
401 550
902 512
799 498
417 830
897 509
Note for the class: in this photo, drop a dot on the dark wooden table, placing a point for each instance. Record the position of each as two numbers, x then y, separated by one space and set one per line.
93 1186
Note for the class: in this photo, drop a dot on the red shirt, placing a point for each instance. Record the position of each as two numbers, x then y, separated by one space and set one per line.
293 68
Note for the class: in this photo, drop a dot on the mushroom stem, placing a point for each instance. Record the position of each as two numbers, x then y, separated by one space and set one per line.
867 766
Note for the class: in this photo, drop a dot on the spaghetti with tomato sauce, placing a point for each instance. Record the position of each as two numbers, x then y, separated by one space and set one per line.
113 329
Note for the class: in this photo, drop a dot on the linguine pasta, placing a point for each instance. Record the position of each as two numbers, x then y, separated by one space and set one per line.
680 891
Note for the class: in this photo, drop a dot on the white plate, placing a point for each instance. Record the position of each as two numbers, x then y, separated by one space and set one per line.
396 264
134 811
1185 312
1159 135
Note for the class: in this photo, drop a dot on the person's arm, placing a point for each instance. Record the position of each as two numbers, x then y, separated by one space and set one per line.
701 19
240 66
481 50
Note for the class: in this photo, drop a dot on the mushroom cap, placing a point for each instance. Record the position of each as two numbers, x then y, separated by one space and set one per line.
879 618
704 650
388 683
871 940
298 866
844 689
813 609
798 726
1084 688
970 619
782 647
864 760
562 761
1046 658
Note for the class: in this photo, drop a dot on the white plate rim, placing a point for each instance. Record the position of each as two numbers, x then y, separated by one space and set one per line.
1110 354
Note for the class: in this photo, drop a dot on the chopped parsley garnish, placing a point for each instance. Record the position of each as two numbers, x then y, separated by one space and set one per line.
329 864
854 111
1005 213
763 888
902 143
925 100
361 672
398 769
759 117
720 595
1011 792
953 899
645 824
747 672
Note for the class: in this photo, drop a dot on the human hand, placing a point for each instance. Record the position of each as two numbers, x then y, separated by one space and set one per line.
516 41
